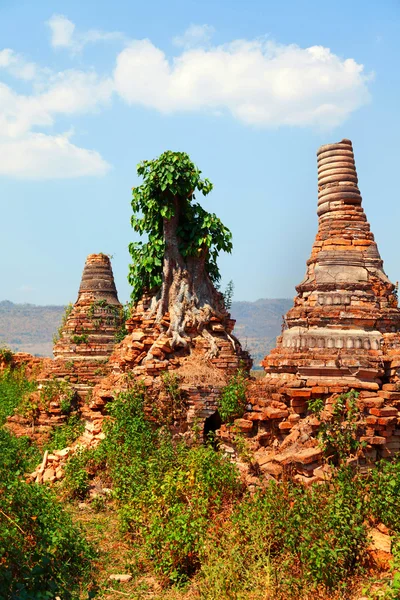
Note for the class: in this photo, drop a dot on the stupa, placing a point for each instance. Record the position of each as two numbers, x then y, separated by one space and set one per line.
344 316
91 325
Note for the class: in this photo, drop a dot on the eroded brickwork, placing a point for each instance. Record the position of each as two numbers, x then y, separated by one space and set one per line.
342 334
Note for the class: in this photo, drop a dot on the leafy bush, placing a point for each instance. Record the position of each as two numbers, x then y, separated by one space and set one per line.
58 390
13 387
6 354
286 540
76 481
168 493
337 432
232 402
42 554
64 435
383 492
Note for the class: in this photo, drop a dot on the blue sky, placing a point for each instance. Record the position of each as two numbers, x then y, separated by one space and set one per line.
248 89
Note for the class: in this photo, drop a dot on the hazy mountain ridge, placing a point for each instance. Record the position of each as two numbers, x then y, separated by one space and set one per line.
30 328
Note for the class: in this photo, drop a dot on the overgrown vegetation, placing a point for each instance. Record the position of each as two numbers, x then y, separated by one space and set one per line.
167 193
168 493
64 435
14 386
67 312
232 403
42 554
5 354
338 428
189 518
185 512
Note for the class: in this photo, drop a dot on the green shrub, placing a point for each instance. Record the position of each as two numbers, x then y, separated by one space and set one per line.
232 402
168 493
42 554
338 432
76 481
286 540
14 386
6 354
65 434
80 339
383 492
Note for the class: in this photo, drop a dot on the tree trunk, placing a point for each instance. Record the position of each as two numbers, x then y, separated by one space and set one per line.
187 292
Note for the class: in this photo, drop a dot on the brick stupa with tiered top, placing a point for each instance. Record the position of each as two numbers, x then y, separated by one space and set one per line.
90 328
342 334
346 308
88 335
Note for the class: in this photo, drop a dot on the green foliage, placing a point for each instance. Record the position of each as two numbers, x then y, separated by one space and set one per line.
168 493
80 339
65 434
175 405
228 294
122 331
67 312
232 402
337 433
286 540
6 354
76 481
172 179
58 390
383 489
42 554
14 386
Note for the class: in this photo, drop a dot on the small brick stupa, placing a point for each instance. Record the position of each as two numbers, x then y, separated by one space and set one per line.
88 336
346 312
90 328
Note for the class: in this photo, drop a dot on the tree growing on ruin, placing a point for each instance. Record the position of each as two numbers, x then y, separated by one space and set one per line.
178 263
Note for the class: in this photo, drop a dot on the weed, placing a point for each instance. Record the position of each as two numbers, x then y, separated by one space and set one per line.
6 354
168 493
232 402
14 387
337 432
42 554
64 435
67 312
76 482
80 339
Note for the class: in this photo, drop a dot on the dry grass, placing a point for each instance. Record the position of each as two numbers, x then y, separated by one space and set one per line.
196 370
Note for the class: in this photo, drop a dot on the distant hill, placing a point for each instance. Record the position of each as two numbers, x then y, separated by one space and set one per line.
30 328
259 323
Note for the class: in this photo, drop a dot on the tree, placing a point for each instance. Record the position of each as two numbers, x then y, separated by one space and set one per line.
178 263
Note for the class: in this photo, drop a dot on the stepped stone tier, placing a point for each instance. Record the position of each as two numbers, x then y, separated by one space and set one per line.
345 317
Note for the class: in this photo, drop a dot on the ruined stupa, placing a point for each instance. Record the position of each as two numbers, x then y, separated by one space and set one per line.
342 334
345 313
90 327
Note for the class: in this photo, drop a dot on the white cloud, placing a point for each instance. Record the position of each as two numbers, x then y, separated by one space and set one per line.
39 156
64 35
195 35
16 65
259 82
